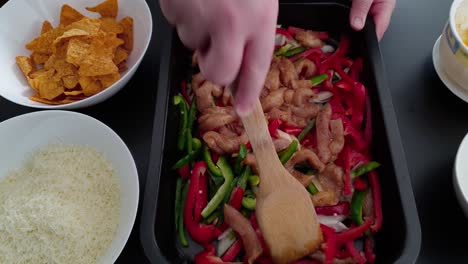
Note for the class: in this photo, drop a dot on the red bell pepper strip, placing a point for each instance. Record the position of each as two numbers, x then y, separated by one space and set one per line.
356 69
342 254
273 127
337 108
236 198
201 196
214 156
338 67
294 30
343 85
354 232
200 233
184 92
248 145
354 252
369 249
376 200
354 134
293 130
307 53
330 237
233 251
357 158
359 184
368 123
359 104
184 171
323 35
342 208
254 223
342 50
208 256
284 32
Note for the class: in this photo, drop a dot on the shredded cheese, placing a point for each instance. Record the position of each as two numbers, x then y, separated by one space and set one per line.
62 207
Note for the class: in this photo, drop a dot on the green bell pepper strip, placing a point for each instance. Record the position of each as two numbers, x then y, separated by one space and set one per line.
226 199
283 50
190 119
181 228
318 79
215 171
177 201
312 188
292 52
179 101
254 180
239 159
365 168
356 206
306 130
189 157
242 182
221 193
249 203
212 217
286 154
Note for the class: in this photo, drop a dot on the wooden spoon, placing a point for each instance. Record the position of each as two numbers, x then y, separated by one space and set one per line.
284 210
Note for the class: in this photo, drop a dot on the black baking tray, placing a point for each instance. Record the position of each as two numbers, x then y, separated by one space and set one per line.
400 238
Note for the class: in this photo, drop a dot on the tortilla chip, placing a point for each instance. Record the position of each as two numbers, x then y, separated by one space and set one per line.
89 25
122 67
39 58
73 93
67 35
47 85
120 56
90 86
108 8
46 27
109 24
100 58
70 81
77 51
69 15
108 80
127 35
39 73
43 43
25 64
38 99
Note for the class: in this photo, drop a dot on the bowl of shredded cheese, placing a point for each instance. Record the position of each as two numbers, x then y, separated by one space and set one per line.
453 47
68 190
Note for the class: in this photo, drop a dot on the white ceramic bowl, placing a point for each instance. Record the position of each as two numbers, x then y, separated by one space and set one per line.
452 51
460 175
21 21
24 134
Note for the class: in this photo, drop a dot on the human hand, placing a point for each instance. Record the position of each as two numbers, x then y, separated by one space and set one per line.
380 10
233 38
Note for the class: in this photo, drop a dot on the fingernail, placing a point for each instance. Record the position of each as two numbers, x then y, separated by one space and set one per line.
242 108
358 23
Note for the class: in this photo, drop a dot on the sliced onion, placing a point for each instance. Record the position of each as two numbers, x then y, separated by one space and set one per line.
334 222
280 40
226 240
328 49
322 97
284 135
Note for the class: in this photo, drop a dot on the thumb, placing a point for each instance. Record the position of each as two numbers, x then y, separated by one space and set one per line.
358 14
254 68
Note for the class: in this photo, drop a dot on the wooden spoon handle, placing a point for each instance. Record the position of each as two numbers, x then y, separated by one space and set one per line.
267 159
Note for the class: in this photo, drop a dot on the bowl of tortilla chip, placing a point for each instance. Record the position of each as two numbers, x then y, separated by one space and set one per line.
70 54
